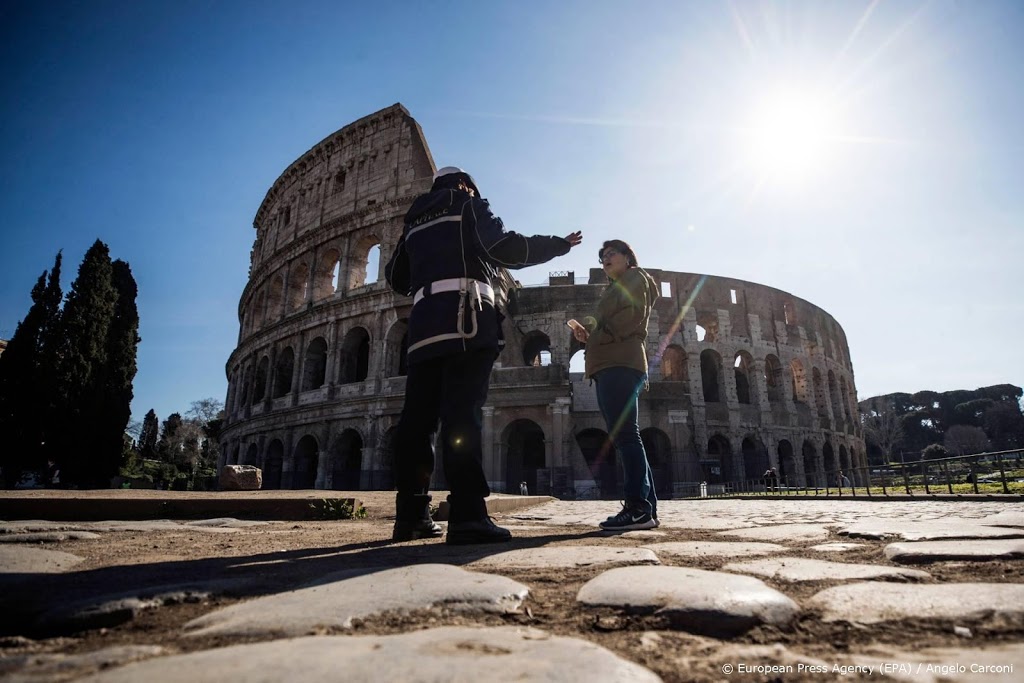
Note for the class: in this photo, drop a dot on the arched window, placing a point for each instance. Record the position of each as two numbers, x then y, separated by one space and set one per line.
536 347
673 364
811 464
524 455
845 397
273 465
717 467
773 378
260 387
298 282
325 284
307 458
315 365
743 369
354 356
709 321
710 374
275 298
347 461
397 349
339 182
364 262
283 372
800 388
256 313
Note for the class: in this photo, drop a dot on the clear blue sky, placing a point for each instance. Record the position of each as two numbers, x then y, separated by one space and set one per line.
866 156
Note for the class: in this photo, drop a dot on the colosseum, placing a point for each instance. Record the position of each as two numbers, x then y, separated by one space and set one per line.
743 376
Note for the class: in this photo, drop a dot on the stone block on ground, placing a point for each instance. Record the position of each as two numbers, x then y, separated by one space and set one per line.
567 556
335 600
807 569
874 602
694 600
781 532
15 559
715 548
240 478
938 551
456 654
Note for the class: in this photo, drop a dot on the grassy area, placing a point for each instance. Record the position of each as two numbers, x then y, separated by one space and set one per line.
898 488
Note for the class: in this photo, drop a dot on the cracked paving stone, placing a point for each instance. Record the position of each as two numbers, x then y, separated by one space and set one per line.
805 569
996 664
694 600
48 537
910 530
781 532
567 556
874 602
335 600
457 654
15 559
836 547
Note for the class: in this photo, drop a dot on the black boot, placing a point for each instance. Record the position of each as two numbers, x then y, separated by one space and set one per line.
412 518
469 524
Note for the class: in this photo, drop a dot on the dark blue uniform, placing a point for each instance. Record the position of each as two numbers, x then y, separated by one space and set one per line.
448 257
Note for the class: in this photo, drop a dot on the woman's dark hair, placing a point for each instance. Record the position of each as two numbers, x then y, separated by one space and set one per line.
622 248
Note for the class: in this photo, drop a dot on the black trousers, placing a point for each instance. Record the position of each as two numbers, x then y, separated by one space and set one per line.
452 390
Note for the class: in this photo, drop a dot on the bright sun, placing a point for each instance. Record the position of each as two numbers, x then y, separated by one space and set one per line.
788 136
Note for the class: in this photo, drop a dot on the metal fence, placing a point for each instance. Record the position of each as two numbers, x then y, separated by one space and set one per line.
995 473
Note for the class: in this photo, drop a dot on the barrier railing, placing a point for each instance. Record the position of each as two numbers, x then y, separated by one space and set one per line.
999 472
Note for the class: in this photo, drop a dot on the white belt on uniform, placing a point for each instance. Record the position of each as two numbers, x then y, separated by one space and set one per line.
458 284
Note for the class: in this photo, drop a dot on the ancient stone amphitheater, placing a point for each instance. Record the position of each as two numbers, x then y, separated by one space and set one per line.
743 375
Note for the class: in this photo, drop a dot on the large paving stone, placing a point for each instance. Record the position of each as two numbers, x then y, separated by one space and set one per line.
48 537
1014 517
781 532
36 668
698 601
996 664
924 530
336 600
552 557
873 602
937 551
836 547
715 549
807 569
461 655
15 559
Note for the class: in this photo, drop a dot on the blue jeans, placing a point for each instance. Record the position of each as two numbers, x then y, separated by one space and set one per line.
617 392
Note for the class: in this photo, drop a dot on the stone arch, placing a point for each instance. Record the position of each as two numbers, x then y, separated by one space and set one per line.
275 298
659 454
536 349
820 400
347 461
233 455
708 321
755 457
844 392
273 465
256 313
746 387
315 365
601 458
524 454
717 468
828 456
845 461
812 463
359 261
354 356
285 366
773 378
306 459
711 375
382 476
298 284
834 397
787 462
252 456
396 346
246 387
674 367
578 361
262 375
325 283
801 392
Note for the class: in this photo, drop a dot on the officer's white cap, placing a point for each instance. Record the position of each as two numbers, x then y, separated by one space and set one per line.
448 170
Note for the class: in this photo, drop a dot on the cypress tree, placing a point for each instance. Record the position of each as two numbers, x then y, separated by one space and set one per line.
150 434
88 315
27 382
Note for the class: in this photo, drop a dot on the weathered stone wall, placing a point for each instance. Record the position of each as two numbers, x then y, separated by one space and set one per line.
316 382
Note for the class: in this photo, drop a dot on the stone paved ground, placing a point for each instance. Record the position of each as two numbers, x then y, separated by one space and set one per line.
723 591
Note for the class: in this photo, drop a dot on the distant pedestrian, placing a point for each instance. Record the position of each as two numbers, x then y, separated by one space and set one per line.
842 480
449 259
771 478
52 473
616 358
523 489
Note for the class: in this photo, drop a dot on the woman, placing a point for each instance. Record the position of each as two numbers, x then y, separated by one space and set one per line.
616 358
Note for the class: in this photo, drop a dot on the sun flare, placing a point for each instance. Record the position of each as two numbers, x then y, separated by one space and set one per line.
788 136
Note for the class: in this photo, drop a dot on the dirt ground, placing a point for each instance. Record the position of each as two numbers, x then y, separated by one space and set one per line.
284 555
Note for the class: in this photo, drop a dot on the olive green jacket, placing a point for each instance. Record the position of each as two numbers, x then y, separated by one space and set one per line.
618 333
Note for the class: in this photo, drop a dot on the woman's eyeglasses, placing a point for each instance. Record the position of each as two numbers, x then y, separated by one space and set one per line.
607 252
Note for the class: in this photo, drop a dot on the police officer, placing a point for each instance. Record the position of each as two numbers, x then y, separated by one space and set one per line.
450 252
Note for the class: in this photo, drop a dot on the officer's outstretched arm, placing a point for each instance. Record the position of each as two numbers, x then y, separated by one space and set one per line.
396 272
510 249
